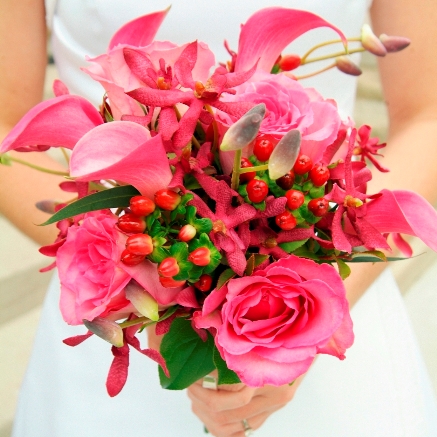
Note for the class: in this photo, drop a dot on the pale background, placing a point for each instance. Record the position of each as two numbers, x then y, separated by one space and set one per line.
22 287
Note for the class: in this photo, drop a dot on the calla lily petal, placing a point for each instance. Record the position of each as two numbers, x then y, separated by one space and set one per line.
139 32
269 31
124 151
404 212
57 122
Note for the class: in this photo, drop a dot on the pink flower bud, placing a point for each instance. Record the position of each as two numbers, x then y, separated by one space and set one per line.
187 233
289 62
346 65
200 256
371 42
169 267
394 43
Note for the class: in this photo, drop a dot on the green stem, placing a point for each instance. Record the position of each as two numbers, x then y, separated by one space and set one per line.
65 154
255 168
235 182
37 167
314 73
327 43
134 322
333 55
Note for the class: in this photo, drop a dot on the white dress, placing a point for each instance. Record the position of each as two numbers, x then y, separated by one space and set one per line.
380 390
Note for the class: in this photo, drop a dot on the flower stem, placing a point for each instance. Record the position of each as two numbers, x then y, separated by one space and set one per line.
37 167
134 322
314 73
333 55
255 168
326 43
65 154
235 182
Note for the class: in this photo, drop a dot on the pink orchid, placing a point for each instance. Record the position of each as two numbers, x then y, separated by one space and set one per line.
225 219
350 200
267 32
57 122
368 147
123 151
194 94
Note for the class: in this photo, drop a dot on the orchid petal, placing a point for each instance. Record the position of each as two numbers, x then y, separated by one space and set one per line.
57 122
183 67
160 98
139 32
123 151
269 31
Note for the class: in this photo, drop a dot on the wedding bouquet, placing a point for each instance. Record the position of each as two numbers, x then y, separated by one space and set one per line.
223 208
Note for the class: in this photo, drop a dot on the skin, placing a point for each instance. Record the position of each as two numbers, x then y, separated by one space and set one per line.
411 96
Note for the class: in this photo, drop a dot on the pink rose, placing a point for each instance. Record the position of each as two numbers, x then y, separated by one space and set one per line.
92 281
274 322
291 106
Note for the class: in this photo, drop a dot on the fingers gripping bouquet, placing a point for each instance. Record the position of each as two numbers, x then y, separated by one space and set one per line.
220 205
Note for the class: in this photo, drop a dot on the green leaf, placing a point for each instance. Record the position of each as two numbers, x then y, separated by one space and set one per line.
188 358
261 206
317 192
112 198
225 375
372 253
250 266
225 277
190 182
158 254
259 259
343 269
292 245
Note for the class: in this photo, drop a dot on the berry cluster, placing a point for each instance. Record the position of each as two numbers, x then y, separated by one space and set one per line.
303 186
167 231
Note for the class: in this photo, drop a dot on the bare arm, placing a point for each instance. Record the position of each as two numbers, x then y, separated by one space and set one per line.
408 80
22 67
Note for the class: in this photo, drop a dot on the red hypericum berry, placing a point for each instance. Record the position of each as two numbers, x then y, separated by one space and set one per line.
187 233
319 207
257 190
204 283
200 256
170 282
303 164
295 199
246 177
286 221
263 148
131 223
168 267
142 205
130 259
319 175
139 244
289 62
286 181
167 199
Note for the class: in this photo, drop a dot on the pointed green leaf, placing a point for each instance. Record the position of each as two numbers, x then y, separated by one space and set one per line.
343 269
292 245
188 358
225 277
113 198
225 375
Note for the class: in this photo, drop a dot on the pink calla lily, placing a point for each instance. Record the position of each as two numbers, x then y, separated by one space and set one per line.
124 151
139 32
405 212
269 31
57 122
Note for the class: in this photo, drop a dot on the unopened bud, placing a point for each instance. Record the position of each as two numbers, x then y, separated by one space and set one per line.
346 65
394 43
48 206
200 256
143 301
289 62
371 42
284 155
245 130
106 329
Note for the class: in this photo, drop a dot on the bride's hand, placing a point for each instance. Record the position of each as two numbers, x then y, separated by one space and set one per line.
224 410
